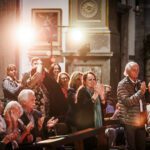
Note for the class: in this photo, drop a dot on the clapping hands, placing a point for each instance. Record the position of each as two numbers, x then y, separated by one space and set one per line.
143 87
29 127
99 88
52 122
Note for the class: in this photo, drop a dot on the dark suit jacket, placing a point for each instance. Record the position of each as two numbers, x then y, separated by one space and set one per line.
36 115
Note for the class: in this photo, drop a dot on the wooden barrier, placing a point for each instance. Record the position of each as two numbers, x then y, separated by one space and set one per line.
76 138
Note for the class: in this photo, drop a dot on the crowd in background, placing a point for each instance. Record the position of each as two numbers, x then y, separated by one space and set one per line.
45 103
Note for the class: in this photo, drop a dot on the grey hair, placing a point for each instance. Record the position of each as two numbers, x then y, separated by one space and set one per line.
128 67
13 104
24 95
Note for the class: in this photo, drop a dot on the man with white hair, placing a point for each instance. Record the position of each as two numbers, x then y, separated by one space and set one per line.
131 99
32 117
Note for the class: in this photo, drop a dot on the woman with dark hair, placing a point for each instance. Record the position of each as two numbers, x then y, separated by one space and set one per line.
54 70
90 106
63 81
11 86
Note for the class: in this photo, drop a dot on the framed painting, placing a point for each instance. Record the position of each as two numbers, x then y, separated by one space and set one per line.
47 24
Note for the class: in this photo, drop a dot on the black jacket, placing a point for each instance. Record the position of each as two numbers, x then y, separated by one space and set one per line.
57 104
85 110
35 132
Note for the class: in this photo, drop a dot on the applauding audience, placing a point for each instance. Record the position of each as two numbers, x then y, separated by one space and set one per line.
78 102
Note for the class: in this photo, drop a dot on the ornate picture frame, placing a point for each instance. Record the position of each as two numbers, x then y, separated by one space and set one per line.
47 24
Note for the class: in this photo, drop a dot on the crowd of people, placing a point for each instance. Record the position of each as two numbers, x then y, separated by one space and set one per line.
45 103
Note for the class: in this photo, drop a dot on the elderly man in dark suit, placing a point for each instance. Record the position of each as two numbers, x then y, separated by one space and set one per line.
32 119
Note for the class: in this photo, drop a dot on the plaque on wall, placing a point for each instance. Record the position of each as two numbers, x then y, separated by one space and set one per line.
90 14
89 9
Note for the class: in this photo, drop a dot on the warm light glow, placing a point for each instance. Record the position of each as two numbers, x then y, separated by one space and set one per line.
25 36
76 35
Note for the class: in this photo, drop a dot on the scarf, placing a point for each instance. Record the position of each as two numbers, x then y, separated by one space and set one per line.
97 111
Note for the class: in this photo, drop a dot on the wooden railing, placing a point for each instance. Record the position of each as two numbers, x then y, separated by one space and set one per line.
75 138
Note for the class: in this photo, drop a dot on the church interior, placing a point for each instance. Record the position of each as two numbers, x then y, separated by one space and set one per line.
80 35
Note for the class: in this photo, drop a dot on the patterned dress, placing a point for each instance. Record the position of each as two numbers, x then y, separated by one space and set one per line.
41 98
